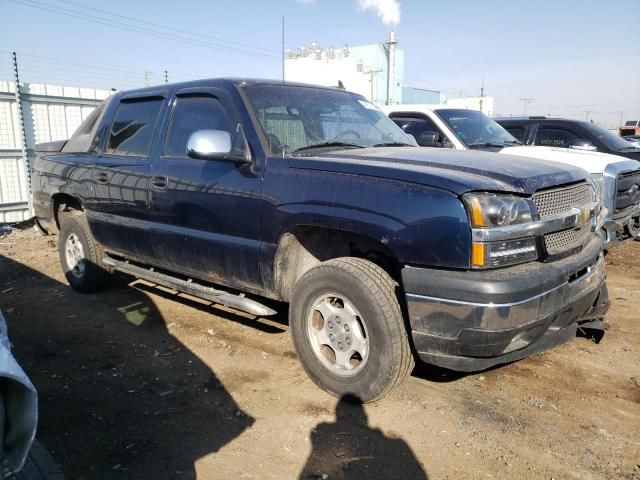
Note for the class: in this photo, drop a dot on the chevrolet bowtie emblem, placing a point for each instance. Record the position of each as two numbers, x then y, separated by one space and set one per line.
585 216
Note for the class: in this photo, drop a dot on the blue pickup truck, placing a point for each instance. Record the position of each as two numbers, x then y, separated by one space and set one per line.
312 196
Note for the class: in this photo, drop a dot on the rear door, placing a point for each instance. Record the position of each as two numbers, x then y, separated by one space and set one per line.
119 207
205 213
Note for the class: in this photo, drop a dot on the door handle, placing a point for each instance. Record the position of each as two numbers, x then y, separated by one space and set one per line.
102 178
159 182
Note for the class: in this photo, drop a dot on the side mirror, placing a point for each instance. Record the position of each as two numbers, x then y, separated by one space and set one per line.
209 144
584 145
429 139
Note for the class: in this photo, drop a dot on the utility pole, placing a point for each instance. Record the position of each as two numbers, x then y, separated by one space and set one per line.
166 77
621 117
372 74
481 93
390 50
283 49
526 101
586 114
23 136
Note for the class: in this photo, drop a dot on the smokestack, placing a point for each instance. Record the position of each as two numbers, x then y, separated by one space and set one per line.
391 66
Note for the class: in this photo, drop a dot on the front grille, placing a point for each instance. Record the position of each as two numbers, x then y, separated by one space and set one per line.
562 200
557 201
559 242
627 193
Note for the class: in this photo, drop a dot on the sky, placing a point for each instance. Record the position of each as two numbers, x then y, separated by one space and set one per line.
573 58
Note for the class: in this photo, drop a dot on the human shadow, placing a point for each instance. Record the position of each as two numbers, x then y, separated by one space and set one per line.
120 397
350 449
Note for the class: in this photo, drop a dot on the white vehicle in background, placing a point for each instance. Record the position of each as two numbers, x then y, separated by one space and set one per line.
617 178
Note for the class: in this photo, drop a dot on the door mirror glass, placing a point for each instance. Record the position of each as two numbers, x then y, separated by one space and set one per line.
209 144
429 139
584 145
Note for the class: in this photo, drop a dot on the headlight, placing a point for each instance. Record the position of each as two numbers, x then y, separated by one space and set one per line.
596 180
492 211
501 254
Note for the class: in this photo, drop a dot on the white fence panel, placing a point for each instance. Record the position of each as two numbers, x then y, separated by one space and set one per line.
51 112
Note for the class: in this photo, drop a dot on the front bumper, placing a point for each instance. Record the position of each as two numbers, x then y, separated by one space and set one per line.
619 223
473 320
618 230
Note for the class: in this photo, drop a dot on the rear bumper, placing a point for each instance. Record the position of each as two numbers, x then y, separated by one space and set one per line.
471 320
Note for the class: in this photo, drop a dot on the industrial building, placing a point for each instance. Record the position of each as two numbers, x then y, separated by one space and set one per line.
374 71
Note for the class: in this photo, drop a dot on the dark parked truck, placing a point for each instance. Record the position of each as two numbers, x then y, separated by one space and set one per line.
313 197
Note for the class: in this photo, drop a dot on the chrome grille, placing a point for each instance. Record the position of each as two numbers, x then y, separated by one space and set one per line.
627 193
559 242
562 200
558 201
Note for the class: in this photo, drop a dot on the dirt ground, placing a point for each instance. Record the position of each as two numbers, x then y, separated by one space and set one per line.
138 382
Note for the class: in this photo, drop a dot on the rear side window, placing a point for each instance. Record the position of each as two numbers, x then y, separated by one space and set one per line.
190 114
133 127
555 137
84 138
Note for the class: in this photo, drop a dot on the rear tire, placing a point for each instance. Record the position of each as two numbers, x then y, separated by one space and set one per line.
348 329
80 255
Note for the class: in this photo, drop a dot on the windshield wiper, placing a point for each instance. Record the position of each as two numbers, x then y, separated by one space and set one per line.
394 144
487 144
513 142
317 146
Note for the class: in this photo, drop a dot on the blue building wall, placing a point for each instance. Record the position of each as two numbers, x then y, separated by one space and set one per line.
374 58
412 95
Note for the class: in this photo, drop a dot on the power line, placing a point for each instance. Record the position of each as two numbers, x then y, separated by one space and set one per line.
167 27
84 67
141 30
525 102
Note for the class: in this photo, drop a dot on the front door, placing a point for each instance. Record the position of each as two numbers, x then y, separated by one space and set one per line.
208 210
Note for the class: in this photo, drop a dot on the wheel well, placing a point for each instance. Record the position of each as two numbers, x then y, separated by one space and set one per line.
302 248
62 202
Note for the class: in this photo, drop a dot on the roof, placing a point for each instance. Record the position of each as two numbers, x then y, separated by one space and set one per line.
225 82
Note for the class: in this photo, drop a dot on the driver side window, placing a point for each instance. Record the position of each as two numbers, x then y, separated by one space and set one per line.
423 129
192 113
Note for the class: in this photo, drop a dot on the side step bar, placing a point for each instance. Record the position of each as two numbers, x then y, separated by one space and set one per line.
192 288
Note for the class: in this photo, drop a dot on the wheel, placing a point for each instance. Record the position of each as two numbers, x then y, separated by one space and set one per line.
80 255
348 329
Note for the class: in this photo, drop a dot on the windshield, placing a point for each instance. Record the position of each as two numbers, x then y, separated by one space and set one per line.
611 140
475 129
304 118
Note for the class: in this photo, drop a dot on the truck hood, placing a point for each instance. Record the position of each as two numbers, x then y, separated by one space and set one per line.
458 171
592 162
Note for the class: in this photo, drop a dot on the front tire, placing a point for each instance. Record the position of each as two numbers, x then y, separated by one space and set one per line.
80 254
348 329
